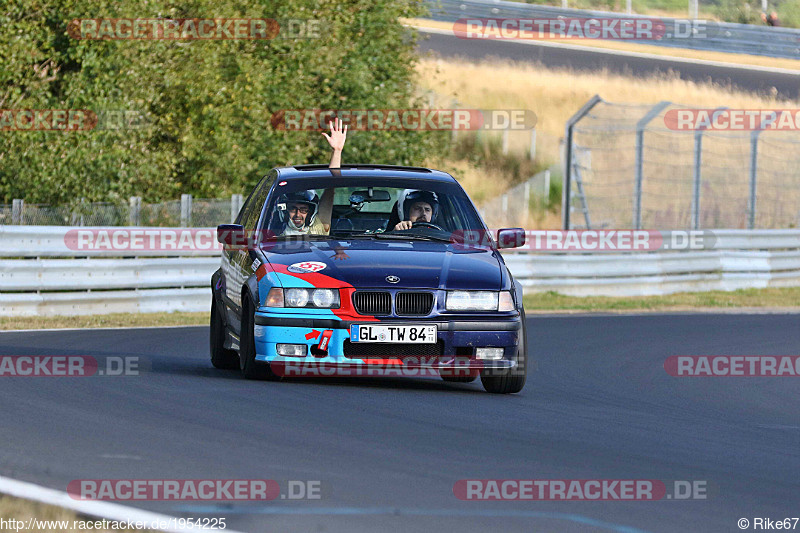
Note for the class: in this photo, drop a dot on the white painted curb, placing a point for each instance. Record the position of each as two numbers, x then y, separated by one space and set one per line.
107 510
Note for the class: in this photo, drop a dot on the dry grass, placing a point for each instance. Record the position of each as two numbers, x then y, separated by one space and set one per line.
555 95
116 320
741 59
773 300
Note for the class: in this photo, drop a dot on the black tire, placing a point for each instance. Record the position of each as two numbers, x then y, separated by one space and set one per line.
220 357
512 380
251 369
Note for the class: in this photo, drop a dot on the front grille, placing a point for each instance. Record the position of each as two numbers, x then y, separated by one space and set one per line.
374 350
372 303
413 303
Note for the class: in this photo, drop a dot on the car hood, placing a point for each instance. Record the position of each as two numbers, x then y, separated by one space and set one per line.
367 263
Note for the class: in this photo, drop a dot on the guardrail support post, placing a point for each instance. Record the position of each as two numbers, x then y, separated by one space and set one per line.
134 213
566 198
186 210
17 207
637 192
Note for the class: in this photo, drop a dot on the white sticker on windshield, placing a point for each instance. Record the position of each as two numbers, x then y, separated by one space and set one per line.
306 267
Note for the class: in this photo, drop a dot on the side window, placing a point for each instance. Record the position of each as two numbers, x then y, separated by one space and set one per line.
243 212
248 216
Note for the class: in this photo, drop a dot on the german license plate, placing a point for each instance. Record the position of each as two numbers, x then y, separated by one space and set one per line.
393 334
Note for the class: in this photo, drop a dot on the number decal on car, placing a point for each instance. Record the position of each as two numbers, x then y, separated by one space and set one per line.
306 267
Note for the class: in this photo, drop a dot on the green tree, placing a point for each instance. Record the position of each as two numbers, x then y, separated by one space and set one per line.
207 103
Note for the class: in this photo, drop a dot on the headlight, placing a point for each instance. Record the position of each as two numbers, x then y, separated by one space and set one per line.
479 301
325 298
296 297
471 301
320 298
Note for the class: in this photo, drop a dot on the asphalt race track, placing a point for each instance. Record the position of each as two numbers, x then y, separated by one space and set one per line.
787 84
388 451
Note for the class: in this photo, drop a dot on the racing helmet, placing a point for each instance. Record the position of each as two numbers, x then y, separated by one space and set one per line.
308 198
411 196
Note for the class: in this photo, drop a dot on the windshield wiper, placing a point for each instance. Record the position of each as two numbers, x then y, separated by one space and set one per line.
409 236
310 237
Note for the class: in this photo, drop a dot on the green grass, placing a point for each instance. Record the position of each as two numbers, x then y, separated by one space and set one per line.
782 298
105 321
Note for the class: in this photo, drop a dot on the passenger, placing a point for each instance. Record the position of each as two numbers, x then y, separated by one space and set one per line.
307 213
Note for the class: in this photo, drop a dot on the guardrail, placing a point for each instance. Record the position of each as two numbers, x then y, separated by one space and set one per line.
691 34
40 275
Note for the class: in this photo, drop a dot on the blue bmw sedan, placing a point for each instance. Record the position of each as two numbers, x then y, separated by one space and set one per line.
367 266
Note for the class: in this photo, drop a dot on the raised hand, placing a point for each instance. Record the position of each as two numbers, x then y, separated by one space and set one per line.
338 134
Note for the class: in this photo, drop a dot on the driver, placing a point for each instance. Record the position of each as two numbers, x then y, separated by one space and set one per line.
416 206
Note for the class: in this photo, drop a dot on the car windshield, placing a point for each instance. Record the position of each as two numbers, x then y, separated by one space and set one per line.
371 208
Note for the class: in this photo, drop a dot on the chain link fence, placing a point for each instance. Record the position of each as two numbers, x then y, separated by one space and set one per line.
630 167
186 212
526 204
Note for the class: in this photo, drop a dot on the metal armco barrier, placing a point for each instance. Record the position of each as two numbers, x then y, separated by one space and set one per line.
41 276
692 34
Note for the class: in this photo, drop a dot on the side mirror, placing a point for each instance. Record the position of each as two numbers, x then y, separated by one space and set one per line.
510 238
231 234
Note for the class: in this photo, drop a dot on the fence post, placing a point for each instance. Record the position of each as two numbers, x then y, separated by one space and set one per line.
526 195
533 145
17 207
698 165
186 210
637 192
134 213
751 222
566 204
236 206
547 186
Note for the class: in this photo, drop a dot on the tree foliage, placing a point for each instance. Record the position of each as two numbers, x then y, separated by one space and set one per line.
207 103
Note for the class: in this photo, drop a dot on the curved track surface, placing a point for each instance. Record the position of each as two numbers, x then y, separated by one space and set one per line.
784 83
388 451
